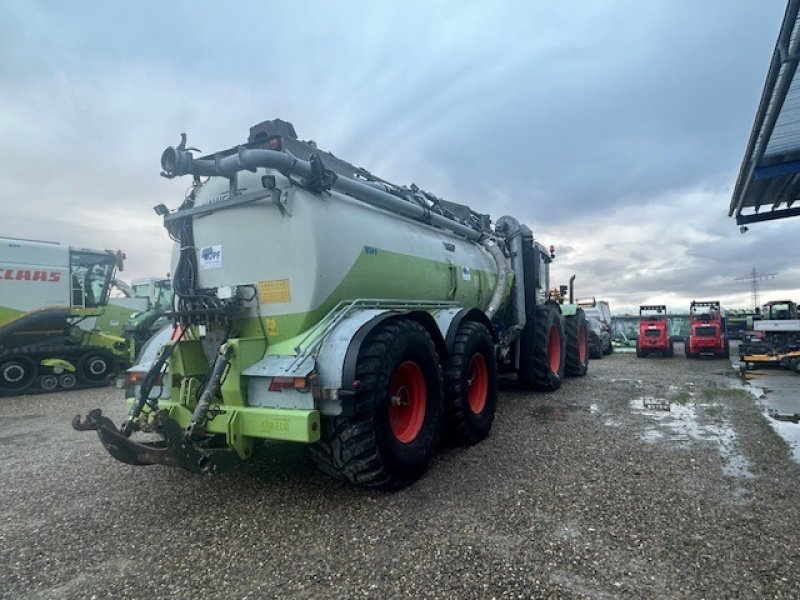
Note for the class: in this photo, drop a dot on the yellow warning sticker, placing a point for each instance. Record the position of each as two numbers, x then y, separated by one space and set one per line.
272 327
274 291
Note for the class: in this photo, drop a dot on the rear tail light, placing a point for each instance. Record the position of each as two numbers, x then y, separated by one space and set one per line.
137 378
278 384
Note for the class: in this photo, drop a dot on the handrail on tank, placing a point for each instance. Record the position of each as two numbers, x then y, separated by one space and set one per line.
176 162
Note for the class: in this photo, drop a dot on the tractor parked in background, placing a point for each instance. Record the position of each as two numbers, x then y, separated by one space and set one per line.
707 331
143 324
654 335
575 329
775 336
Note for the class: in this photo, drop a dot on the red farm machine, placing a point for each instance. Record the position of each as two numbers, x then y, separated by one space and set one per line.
653 331
707 332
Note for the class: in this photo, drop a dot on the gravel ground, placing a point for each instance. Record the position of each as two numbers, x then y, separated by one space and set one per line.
579 493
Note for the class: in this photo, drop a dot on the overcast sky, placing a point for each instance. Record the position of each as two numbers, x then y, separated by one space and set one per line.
615 130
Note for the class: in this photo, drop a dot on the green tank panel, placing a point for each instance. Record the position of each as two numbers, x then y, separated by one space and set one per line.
420 278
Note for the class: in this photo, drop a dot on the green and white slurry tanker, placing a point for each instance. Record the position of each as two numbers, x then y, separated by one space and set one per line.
317 303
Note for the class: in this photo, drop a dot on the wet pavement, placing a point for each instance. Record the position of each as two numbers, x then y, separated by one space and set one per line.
778 393
649 478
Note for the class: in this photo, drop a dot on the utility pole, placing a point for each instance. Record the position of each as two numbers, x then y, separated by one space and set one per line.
754 277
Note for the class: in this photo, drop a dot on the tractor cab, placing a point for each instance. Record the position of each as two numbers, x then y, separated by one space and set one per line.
707 335
653 331
779 310
91 274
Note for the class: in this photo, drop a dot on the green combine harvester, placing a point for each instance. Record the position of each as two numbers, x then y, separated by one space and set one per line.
317 303
51 299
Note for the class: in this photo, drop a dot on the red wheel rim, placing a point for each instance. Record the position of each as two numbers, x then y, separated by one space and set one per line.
554 349
582 342
407 401
477 383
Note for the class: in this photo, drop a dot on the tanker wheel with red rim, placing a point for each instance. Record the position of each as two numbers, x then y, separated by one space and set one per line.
96 367
549 351
577 354
17 373
388 432
407 401
470 385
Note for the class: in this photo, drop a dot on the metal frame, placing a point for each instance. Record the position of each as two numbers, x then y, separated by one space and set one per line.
782 69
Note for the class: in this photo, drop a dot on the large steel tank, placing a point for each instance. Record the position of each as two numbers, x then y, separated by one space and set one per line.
314 250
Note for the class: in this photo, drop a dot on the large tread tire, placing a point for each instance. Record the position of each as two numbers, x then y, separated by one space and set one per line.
726 348
96 367
639 352
470 386
671 349
17 373
576 360
362 445
548 327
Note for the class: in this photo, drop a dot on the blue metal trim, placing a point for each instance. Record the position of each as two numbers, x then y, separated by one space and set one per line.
768 216
785 168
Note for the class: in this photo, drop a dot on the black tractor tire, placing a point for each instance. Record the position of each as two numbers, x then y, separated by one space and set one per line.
609 349
726 348
596 354
576 359
548 371
671 349
470 386
17 373
96 367
372 443
639 352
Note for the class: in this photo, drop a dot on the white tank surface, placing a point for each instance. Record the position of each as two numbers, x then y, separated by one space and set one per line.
322 249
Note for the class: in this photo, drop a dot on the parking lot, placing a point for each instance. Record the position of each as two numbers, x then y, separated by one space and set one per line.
594 491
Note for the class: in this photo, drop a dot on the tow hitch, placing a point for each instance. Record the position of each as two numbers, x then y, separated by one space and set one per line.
188 448
175 449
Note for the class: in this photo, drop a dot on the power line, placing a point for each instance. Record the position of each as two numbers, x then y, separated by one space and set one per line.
754 277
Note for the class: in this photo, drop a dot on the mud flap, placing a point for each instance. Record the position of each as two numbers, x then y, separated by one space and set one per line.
175 449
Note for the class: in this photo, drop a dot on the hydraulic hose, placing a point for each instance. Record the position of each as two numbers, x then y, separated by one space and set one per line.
176 162
210 390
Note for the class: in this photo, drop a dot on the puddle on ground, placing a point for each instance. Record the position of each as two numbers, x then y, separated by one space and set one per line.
550 413
619 380
681 423
778 394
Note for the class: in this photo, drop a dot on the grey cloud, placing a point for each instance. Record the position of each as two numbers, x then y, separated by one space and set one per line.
566 115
